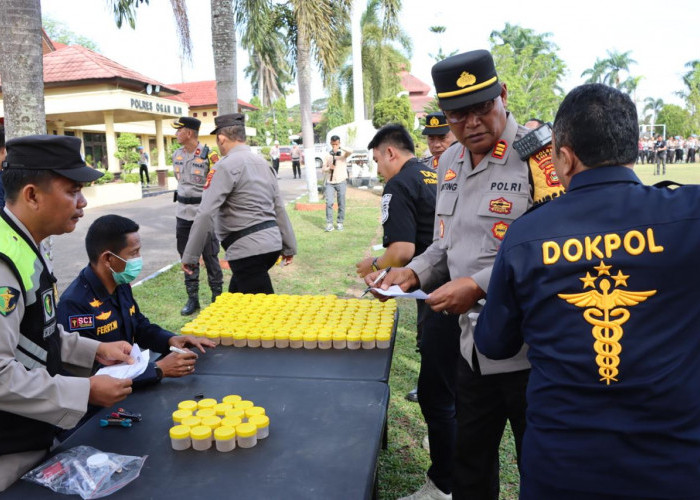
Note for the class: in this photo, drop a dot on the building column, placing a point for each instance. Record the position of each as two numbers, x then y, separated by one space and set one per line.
112 161
79 134
60 127
160 143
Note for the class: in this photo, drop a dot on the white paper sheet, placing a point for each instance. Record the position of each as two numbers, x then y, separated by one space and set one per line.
124 370
395 291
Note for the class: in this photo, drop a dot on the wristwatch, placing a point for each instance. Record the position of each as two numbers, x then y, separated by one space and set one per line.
159 373
375 267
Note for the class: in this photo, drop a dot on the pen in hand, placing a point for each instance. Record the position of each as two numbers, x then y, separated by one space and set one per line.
381 276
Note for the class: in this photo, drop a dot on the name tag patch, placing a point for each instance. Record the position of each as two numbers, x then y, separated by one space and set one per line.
81 322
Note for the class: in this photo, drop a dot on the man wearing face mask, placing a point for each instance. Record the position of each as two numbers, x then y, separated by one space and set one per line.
99 303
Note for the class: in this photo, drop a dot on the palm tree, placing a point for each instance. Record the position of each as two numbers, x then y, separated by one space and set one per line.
596 73
653 107
520 38
223 42
22 68
615 64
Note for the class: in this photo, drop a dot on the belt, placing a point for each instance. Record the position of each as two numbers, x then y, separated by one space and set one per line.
192 200
237 235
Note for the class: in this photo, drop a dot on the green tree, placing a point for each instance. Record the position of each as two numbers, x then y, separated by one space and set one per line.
440 55
531 69
393 110
691 94
256 120
338 112
126 153
59 32
610 71
677 120
652 108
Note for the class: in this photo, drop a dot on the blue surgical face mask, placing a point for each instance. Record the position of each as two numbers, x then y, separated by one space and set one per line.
132 269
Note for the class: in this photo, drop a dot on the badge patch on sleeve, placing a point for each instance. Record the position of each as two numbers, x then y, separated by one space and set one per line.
81 322
47 299
209 176
386 199
8 299
499 229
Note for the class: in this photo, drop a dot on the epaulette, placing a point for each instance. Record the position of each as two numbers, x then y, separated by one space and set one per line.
543 177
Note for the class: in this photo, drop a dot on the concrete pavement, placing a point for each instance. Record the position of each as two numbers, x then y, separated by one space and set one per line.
156 218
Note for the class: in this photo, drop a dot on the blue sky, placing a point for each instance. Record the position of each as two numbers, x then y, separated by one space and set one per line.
662 37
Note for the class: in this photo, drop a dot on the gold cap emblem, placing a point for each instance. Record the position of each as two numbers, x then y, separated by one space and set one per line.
466 79
434 122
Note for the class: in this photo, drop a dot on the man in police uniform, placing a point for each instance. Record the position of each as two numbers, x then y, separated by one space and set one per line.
251 221
192 164
100 305
483 186
440 137
606 298
43 177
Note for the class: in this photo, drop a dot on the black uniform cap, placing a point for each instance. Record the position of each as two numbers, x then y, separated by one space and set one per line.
187 122
58 153
436 124
229 120
465 79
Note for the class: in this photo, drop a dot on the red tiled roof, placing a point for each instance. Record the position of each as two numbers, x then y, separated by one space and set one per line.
202 94
419 102
412 84
75 63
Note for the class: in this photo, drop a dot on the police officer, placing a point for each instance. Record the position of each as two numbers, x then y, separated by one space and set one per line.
192 164
483 186
99 303
612 329
439 136
252 223
43 177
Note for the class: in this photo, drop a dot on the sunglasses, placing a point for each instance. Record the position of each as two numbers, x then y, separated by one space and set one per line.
460 115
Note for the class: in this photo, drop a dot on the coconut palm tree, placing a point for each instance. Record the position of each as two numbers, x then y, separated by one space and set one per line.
520 38
596 74
653 107
22 67
615 64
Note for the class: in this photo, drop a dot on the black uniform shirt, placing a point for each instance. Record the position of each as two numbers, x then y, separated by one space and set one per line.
408 206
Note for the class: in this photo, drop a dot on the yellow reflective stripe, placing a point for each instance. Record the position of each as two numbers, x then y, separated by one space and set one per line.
468 89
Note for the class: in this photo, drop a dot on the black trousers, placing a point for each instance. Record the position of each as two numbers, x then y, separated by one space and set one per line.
250 274
210 254
484 404
437 392
276 165
143 169
296 168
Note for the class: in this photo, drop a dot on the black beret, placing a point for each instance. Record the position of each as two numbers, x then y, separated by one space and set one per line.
465 79
187 122
58 153
436 124
229 120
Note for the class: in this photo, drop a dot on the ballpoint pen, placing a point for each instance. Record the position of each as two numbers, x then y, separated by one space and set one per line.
381 276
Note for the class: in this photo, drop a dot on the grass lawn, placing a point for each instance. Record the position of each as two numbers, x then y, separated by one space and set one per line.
326 265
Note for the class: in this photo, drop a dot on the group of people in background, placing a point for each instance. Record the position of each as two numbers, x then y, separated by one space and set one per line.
675 149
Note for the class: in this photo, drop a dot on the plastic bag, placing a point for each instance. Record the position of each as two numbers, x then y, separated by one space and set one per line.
87 472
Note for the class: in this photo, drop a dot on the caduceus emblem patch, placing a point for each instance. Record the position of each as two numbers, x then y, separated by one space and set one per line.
606 312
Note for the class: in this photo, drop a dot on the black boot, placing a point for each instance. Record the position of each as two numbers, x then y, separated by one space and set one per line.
192 301
215 292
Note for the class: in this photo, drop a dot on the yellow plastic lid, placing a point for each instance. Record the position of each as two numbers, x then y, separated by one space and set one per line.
324 337
212 422
206 412
310 337
200 432
267 336
339 336
383 336
235 413
213 334
253 336
281 336
259 421
239 335
224 433
246 430
180 432
254 410
242 405
178 415
367 337
296 336
221 408
207 403
353 337
231 399
230 421
191 421
226 334
187 405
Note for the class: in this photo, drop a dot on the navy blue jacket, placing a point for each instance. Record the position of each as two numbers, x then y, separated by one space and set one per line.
602 284
88 308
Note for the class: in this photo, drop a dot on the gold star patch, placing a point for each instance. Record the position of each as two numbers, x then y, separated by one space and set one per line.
620 279
602 269
588 281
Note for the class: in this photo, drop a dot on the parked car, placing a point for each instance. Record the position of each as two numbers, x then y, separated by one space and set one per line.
320 152
285 153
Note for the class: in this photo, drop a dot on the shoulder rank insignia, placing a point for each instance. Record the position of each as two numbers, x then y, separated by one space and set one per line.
499 150
95 303
606 311
449 175
546 185
435 162
8 299
499 229
103 315
197 151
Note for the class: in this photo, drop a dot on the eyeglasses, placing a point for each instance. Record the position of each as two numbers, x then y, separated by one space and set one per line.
460 115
